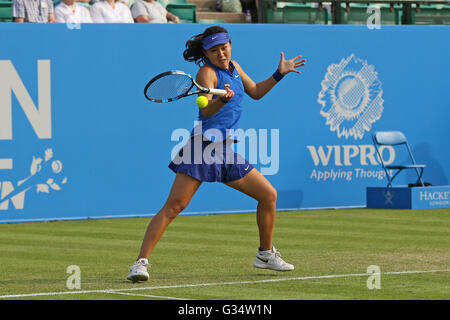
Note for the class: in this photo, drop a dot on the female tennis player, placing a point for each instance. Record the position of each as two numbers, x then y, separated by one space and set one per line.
211 50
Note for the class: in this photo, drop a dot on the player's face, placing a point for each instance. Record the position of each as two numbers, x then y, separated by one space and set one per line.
220 55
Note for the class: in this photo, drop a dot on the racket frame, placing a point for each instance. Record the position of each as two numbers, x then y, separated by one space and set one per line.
200 89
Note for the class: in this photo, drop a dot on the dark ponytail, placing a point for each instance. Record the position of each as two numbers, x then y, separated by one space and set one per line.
194 48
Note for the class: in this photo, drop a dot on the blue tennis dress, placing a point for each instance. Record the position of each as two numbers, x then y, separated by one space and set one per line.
208 156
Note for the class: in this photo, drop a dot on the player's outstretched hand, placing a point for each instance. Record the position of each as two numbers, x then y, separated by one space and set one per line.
291 65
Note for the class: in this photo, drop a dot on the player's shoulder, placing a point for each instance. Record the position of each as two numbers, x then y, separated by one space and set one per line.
206 76
235 63
237 66
206 68
206 71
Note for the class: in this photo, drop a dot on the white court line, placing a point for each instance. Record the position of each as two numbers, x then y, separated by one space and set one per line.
147 295
218 283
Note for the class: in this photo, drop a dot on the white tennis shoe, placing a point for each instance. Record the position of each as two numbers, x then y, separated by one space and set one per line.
138 271
271 260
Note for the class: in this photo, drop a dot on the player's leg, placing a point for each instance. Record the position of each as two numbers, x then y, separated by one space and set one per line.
183 189
255 185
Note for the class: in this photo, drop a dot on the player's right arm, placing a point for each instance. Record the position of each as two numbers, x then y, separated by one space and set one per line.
206 77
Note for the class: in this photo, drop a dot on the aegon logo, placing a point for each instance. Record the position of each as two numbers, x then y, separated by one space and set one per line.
43 169
40 119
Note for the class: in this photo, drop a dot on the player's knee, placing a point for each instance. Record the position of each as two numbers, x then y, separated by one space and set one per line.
270 197
273 196
174 208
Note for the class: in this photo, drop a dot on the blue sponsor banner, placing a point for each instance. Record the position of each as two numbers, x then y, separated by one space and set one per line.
389 198
78 139
408 198
430 198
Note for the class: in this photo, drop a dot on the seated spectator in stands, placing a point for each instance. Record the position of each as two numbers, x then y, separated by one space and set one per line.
151 11
91 2
70 11
33 11
252 6
109 11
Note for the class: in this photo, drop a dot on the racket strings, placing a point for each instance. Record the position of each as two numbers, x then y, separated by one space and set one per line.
169 86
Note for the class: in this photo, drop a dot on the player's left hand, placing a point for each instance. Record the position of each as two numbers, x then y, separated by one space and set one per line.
227 96
286 66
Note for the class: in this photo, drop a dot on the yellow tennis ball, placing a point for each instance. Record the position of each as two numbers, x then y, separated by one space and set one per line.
202 101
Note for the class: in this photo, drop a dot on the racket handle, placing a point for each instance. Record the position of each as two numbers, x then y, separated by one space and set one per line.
217 92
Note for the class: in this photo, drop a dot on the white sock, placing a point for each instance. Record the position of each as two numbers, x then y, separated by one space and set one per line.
143 260
266 251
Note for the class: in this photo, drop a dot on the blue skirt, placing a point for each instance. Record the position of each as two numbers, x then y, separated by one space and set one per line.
210 161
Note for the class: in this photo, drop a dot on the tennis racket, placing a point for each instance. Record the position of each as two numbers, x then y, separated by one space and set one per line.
173 85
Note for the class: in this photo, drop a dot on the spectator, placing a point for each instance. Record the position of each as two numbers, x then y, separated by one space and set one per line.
70 11
91 2
109 11
231 6
33 11
239 6
151 11
252 6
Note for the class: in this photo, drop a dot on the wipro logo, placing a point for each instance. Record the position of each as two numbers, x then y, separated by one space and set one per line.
351 101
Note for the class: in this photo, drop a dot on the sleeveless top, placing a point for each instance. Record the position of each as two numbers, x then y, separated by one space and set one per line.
228 116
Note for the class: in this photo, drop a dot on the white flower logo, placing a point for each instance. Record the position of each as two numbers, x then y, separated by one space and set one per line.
43 175
351 97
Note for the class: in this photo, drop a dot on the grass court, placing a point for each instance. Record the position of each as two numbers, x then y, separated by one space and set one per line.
210 257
